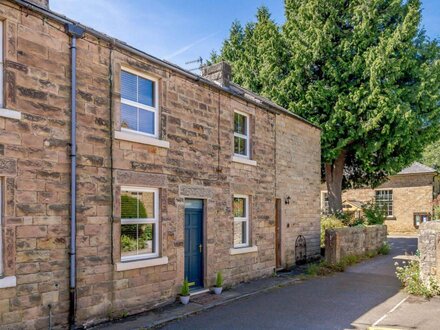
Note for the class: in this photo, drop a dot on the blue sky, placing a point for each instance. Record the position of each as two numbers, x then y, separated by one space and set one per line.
183 30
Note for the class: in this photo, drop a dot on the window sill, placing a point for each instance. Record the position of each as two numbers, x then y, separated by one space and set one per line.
249 249
140 138
6 113
8 282
241 160
122 266
391 218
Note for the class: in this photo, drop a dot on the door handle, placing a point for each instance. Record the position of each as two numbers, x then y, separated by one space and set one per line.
200 248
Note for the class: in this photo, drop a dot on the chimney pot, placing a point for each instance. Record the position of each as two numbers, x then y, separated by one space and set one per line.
220 73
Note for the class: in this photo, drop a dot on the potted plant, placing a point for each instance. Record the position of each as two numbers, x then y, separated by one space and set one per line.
184 292
218 287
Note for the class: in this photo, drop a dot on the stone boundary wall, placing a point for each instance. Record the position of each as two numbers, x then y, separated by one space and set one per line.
341 242
429 247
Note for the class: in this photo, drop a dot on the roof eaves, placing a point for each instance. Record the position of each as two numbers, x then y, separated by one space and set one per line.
258 100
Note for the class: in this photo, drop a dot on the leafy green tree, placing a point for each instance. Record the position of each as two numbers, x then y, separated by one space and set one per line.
362 70
431 155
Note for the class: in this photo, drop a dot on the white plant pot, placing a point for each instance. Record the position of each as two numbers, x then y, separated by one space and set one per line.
218 290
184 300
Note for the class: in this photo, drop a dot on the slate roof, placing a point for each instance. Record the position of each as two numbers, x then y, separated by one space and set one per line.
235 90
417 168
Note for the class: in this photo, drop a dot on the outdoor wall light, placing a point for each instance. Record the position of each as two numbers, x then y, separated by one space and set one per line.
287 200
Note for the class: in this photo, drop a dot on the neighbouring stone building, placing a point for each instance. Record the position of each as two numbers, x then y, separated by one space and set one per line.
408 197
177 176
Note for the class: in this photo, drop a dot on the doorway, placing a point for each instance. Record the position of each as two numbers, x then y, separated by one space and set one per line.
194 246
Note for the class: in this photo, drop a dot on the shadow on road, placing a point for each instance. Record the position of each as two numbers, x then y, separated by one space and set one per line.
335 302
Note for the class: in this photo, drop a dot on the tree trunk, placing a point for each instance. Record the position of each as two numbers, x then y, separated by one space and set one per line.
333 177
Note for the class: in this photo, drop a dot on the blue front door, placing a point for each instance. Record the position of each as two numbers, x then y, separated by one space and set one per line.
194 242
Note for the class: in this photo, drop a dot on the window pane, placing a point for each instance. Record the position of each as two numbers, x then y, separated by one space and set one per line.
129 205
146 121
239 207
128 86
240 124
137 239
128 240
128 117
146 238
240 233
240 146
146 91
146 205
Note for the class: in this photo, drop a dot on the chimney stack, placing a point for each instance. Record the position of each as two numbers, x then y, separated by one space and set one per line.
40 3
220 73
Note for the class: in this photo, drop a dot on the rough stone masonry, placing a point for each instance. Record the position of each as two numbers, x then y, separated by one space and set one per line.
192 157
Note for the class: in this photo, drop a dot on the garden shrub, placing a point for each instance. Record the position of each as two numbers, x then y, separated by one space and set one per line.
374 213
329 222
384 249
409 275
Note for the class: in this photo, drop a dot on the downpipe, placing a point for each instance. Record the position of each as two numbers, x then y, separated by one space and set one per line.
74 32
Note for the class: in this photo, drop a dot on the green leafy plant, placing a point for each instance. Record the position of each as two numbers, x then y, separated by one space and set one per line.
184 291
384 249
219 280
366 74
436 212
374 213
409 275
329 222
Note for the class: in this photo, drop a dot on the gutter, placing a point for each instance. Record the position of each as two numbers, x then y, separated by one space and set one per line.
74 32
64 20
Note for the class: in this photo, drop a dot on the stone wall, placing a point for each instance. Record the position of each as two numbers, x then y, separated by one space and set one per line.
298 177
429 247
358 241
196 120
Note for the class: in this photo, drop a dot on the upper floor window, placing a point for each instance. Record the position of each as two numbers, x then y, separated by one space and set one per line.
1 65
139 103
241 221
139 223
384 198
241 135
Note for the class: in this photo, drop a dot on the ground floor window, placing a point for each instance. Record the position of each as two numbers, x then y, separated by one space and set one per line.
420 218
384 198
325 209
139 223
241 221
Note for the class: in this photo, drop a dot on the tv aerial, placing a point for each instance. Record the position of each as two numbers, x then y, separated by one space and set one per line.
198 60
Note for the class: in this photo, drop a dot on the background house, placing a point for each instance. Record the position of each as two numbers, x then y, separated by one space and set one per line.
408 197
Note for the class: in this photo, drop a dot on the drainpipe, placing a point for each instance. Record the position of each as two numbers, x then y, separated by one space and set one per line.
74 32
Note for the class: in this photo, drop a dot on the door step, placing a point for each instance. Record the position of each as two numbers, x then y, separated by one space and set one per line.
198 291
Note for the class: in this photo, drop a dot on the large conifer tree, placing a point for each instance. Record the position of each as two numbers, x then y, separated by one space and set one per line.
362 70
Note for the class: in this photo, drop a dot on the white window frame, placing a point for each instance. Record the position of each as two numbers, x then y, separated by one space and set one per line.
392 201
154 109
246 137
242 219
154 220
2 101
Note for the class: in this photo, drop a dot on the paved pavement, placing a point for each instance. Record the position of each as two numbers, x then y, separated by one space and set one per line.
362 296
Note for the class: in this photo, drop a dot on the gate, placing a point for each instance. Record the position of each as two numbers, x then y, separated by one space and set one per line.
300 250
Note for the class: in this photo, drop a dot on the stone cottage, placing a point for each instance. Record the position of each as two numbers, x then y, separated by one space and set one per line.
122 174
408 198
